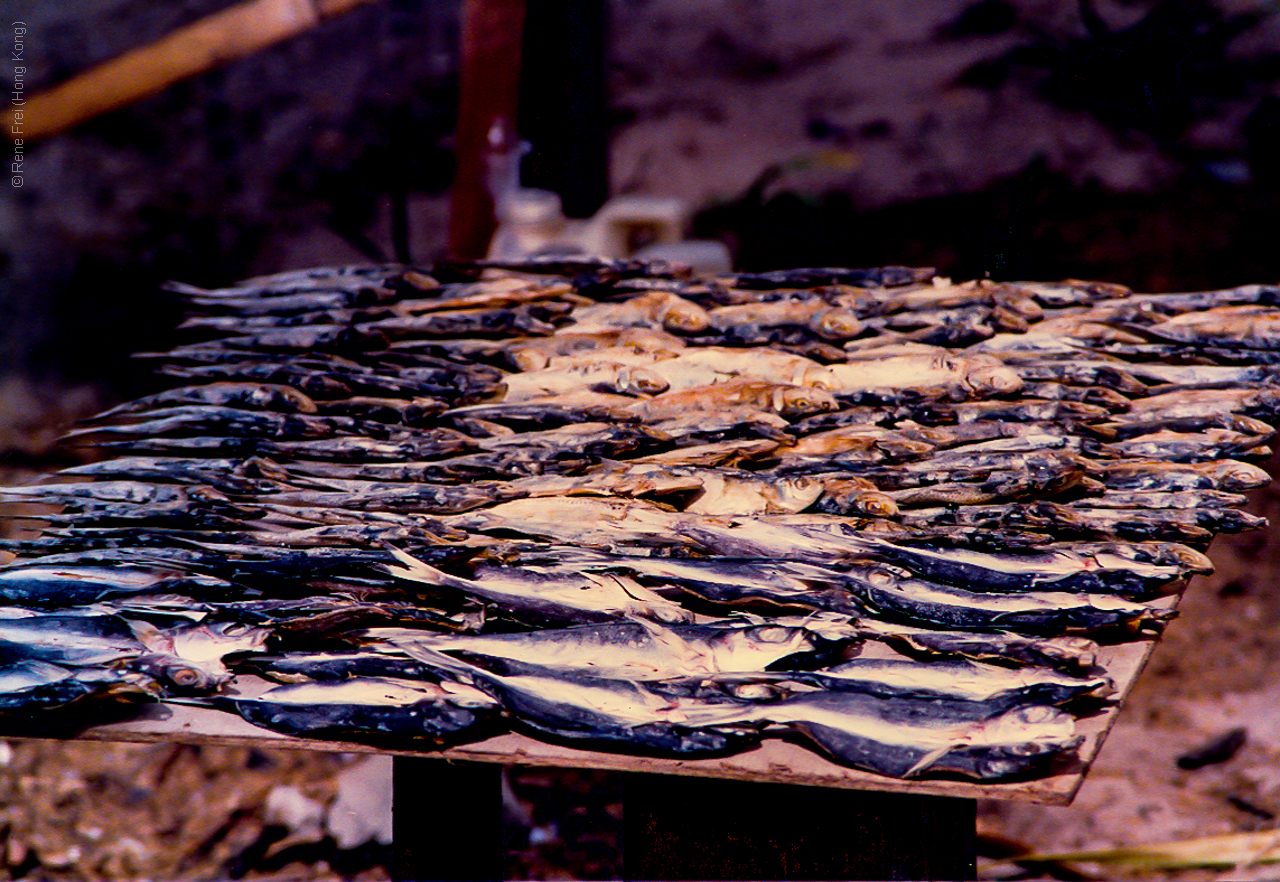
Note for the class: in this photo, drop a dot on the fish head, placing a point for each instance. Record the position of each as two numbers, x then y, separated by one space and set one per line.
528 359
794 401
836 324
1235 475
1020 301
855 497
652 340
1007 320
822 378
683 317
993 379
873 504
796 493
1027 730
1185 558
641 380
1110 399
1250 426
180 677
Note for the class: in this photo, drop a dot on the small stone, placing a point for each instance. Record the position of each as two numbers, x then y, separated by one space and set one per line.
290 807
362 810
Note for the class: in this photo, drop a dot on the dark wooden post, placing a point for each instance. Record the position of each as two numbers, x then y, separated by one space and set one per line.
446 820
702 828
488 95
564 102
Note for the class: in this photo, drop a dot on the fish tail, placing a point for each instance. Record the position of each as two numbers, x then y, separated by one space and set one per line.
415 570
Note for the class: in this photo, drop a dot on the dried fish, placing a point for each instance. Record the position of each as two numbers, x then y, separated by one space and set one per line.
636 650
555 597
906 739
372 708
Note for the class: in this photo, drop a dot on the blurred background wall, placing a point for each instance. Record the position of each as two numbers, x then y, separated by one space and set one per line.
1135 141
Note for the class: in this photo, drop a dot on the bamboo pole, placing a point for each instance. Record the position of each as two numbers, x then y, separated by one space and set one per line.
207 43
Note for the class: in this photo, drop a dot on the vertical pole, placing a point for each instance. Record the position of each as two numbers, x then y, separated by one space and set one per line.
446 820
564 102
488 94
701 828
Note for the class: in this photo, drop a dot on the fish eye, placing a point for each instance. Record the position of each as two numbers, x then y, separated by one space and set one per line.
184 677
1037 714
773 634
880 576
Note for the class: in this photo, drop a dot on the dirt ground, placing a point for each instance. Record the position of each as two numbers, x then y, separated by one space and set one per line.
1214 670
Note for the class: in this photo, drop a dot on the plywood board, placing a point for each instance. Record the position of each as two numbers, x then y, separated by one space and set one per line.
774 761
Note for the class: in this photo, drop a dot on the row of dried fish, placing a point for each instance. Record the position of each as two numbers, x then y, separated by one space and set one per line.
587 499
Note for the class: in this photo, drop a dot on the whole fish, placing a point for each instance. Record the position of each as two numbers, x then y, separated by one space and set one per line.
828 322
1163 498
539 352
1040 477
35 584
131 492
906 739
616 378
1070 653
1074 370
68 638
1125 427
636 650
1253 326
38 687
942 376
1099 396
706 365
529 320
1200 401
874 277
780 398
998 688
265 396
1188 447
416 411
381 709
1161 475
1166 524
489 293
1045 613
251 304
546 596
639 717
670 311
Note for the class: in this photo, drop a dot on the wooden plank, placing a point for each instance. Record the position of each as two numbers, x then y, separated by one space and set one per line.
772 762
686 828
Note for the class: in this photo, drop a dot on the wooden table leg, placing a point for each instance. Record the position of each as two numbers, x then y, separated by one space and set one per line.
703 828
446 820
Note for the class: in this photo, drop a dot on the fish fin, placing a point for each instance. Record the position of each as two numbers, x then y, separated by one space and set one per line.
923 764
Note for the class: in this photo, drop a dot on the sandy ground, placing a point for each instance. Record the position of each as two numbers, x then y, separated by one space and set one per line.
1215 669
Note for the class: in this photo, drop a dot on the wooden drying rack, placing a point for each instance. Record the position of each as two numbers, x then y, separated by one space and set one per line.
776 811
